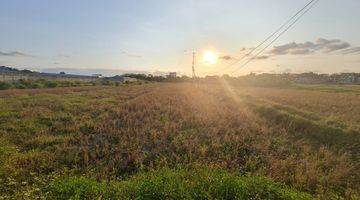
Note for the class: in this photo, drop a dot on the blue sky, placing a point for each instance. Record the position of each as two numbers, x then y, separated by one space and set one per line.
151 35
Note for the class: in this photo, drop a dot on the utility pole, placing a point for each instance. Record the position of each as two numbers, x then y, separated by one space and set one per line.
193 65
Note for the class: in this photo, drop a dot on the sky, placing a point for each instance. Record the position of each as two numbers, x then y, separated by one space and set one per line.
115 36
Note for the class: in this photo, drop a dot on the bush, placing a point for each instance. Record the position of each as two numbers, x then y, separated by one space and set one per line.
66 84
105 82
35 85
20 86
50 84
4 86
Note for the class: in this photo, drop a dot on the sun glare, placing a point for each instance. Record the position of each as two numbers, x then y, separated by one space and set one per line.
210 58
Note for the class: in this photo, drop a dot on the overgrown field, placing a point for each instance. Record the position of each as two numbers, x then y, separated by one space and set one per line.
180 141
43 83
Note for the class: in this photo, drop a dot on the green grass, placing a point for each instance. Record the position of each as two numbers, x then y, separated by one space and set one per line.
329 88
198 183
128 142
43 83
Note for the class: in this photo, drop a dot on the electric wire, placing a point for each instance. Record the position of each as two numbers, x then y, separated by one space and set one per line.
276 38
270 36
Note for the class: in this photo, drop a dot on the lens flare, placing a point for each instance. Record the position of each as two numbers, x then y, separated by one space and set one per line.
210 58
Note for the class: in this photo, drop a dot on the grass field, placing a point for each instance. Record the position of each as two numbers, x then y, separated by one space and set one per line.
180 140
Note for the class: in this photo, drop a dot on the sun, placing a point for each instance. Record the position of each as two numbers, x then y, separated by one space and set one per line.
210 57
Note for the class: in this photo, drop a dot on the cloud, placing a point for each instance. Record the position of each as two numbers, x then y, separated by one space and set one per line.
261 57
227 57
353 50
243 49
320 45
14 54
332 45
130 54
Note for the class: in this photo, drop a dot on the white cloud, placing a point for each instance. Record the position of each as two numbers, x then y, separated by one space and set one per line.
320 45
13 54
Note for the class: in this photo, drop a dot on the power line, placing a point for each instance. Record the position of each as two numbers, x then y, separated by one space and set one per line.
282 33
271 35
290 26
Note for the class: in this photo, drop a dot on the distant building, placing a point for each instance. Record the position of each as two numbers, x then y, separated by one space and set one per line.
171 75
311 78
348 78
343 78
62 73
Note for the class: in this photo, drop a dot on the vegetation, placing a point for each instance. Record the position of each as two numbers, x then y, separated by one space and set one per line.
180 140
199 183
5 86
44 83
153 78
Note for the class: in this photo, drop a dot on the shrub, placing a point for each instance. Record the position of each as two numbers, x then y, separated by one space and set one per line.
50 84
20 86
106 82
4 86
35 85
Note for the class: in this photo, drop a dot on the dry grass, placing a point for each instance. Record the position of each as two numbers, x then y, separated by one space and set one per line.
340 106
308 140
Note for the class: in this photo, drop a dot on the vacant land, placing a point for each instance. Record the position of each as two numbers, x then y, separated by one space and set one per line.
180 140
